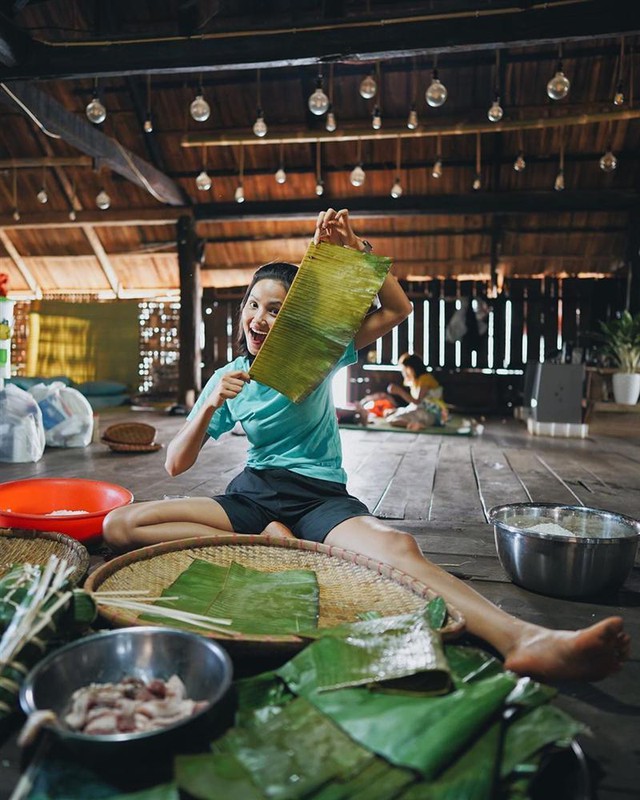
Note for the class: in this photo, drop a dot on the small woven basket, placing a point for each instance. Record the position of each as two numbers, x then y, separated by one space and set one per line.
129 433
349 583
26 546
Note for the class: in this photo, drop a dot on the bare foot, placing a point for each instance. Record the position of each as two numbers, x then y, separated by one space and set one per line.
276 528
588 655
415 426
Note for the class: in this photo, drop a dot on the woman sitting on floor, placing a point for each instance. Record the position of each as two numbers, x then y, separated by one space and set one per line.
426 407
294 483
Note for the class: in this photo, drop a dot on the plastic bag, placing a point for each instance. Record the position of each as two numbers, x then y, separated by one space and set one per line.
22 435
67 415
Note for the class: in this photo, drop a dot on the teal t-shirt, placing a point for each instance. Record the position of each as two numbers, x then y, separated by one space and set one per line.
302 437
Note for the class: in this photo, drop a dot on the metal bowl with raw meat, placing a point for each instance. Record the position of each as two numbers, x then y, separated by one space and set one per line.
130 659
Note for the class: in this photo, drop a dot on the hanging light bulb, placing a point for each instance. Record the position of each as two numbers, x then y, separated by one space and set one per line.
103 201
357 176
608 162
477 183
42 196
319 181
412 119
559 184
72 215
396 189
281 175
239 194
260 126
148 124
16 215
558 87
95 110
376 119
199 109
436 94
368 87
203 181
318 100
519 164
331 124
319 187
436 172
618 97
496 112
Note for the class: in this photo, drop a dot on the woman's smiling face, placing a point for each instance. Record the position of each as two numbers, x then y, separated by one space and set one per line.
260 312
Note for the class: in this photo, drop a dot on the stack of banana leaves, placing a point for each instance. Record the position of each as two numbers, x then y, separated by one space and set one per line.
37 608
378 709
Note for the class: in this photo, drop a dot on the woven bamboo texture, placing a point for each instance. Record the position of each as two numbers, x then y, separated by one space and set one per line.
349 583
129 433
25 546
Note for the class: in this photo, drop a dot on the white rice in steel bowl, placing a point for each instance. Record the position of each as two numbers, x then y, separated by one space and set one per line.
565 551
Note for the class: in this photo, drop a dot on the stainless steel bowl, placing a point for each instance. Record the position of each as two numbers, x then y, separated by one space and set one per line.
141 652
594 556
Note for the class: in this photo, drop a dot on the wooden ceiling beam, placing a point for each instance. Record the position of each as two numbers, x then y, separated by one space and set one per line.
476 203
19 261
45 161
241 137
58 123
365 39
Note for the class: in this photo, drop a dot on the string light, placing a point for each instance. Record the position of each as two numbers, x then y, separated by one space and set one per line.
519 164
239 193
495 112
396 189
618 97
148 122
376 119
559 182
199 109
412 118
330 123
608 162
358 176
558 86
368 87
436 172
16 211
318 101
477 180
259 126
42 195
103 201
436 94
95 110
319 181
281 175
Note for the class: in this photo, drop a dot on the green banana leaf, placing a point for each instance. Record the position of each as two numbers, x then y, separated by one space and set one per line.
294 752
323 309
378 780
421 733
213 776
257 602
401 652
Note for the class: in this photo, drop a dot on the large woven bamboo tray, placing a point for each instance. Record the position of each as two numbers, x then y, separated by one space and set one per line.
349 582
27 546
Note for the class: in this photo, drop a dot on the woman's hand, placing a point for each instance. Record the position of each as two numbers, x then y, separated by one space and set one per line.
393 388
334 227
230 386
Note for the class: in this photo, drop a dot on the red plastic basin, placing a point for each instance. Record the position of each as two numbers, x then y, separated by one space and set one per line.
30 503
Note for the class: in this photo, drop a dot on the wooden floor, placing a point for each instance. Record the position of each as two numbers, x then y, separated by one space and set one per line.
440 488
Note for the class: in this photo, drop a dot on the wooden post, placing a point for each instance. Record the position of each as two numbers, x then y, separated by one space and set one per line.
189 383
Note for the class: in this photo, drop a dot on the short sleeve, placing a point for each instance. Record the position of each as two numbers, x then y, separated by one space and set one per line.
221 421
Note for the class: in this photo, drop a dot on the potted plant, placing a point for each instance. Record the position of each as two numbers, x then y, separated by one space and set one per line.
622 342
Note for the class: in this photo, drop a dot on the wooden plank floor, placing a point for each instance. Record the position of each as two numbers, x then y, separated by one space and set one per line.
440 489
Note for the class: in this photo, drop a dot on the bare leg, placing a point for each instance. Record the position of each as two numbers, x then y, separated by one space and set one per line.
141 524
276 528
589 654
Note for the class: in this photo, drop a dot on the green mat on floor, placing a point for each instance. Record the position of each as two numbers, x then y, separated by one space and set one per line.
455 426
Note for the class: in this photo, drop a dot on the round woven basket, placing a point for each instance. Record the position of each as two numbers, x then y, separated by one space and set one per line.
23 546
129 433
349 583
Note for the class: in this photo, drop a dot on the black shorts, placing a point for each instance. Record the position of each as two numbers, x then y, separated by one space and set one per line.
308 506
